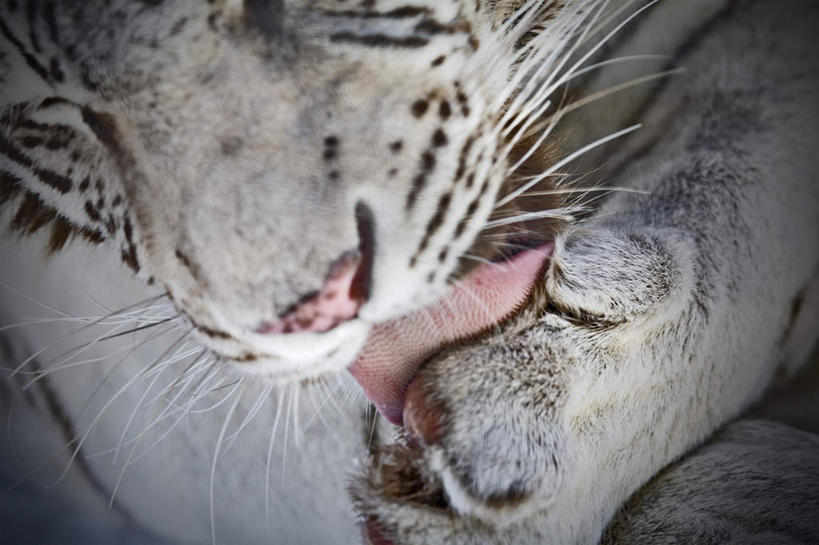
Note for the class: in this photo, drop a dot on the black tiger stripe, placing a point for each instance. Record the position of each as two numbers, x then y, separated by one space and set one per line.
795 312
428 162
104 126
31 61
443 254
31 16
48 177
92 212
470 180
379 40
193 268
128 256
85 78
55 101
29 209
129 253
94 236
50 16
111 225
431 26
30 142
462 158
403 12
213 333
33 214
34 126
473 207
435 222
56 70
10 186
61 230
418 184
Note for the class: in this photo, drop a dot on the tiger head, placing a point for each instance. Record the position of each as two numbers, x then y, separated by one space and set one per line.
291 172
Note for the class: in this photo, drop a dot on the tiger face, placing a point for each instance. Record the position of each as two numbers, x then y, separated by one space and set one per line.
290 172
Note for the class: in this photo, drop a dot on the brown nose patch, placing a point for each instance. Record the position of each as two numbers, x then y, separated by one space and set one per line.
327 308
346 287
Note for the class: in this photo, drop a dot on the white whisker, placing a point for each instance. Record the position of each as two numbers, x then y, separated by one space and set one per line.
178 345
566 160
286 431
585 190
557 213
373 424
146 373
254 409
279 405
602 94
228 384
482 260
216 451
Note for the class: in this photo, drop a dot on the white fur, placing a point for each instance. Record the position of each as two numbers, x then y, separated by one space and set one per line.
670 311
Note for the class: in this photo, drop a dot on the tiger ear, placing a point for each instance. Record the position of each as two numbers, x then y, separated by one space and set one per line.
266 15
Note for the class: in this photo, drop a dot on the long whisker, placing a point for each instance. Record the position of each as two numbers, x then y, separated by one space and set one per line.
175 357
216 451
601 94
286 430
77 350
228 384
280 396
318 413
373 425
585 190
155 367
556 213
257 405
180 413
152 422
550 86
137 329
566 160
296 430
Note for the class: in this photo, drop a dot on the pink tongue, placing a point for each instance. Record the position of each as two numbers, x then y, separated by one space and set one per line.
396 349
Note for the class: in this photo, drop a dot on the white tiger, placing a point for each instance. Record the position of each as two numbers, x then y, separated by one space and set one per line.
301 187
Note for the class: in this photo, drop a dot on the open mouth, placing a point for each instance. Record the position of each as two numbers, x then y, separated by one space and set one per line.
397 349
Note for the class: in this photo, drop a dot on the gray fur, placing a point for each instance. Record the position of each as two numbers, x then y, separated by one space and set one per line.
660 318
754 482
666 315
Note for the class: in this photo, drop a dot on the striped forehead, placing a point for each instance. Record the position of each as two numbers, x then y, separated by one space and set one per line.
420 21
393 26
444 10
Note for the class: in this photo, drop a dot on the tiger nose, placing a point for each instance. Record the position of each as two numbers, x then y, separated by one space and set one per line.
346 287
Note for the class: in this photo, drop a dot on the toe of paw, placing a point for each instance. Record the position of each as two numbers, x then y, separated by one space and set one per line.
425 415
